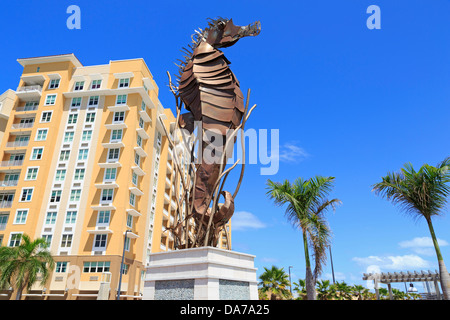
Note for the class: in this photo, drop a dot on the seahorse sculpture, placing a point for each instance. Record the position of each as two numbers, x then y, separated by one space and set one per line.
210 91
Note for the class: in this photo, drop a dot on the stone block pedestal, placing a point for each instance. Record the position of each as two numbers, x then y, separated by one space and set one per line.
206 273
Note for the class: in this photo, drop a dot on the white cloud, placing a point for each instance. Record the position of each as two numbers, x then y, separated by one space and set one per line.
243 220
290 152
404 262
422 245
423 242
338 276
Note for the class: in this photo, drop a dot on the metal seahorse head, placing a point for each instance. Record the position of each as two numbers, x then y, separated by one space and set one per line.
222 33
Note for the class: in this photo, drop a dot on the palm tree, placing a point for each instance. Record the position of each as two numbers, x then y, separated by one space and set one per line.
300 288
360 292
21 265
274 283
422 194
307 202
325 290
344 291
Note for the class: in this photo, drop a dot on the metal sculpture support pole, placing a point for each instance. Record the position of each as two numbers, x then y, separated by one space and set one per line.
122 265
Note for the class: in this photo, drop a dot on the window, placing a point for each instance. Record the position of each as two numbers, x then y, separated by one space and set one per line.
61 267
76 102
129 221
83 154
27 193
46 116
116 135
75 195
110 174
132 199
87 135
37 153
14 239
72 118
124 83
141 123
68 136
103 217
3 221
56 196
96 84
50 218
90 117
66 241
113 154
107 195
64 155
79 85
79 174
31 105
93 101
21 216
119 116
71 217
127 248
48 239
143 106
139 141
134 178
60 175
41 134
100 241
54 84
96 266
121 99
137 159
50 99
32 173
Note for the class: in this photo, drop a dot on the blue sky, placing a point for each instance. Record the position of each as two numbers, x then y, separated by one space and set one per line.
348 102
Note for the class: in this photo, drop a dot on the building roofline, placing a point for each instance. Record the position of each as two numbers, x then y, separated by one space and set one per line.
52 58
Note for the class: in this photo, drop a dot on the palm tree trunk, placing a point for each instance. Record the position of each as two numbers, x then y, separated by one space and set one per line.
443 273
19 292
309 279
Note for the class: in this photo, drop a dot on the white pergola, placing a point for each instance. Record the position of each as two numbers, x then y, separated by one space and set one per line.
388 278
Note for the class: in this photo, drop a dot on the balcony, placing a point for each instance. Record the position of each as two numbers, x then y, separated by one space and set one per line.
16 144
22 125
29 93
11 163
9 183
27 108
6 204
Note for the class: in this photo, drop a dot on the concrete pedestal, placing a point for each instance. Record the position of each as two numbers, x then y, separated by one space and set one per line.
206 273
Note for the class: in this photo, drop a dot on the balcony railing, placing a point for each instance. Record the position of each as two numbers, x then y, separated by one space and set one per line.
11 163
8 183
6 204
27 108
22 125
15 144
29 89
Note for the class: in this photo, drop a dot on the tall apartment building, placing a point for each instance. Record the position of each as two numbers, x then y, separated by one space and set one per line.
85 164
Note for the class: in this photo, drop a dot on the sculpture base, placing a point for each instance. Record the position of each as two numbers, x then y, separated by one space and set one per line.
205 273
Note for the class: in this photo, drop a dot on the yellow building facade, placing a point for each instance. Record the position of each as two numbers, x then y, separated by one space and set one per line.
86 164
